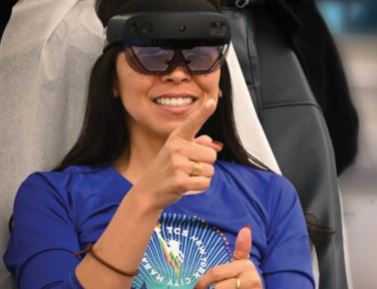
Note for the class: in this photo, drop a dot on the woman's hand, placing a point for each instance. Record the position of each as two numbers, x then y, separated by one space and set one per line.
239 274
183 164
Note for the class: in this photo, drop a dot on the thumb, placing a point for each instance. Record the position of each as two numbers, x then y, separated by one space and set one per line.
243 244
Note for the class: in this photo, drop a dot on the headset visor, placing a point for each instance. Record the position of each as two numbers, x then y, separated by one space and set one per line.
161 60
156 43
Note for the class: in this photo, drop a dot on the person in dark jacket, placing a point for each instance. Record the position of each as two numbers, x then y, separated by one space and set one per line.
5 12
308 36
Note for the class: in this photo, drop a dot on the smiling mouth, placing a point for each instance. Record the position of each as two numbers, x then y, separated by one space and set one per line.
174 102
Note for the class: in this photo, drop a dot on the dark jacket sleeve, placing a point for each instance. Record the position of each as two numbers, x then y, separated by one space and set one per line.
308 35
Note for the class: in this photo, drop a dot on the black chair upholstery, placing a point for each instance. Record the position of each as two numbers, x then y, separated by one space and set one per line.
295 128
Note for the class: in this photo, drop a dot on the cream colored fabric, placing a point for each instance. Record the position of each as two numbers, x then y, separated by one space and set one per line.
45 56
248 126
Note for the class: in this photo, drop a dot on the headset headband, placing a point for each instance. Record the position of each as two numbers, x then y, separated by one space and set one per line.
168 29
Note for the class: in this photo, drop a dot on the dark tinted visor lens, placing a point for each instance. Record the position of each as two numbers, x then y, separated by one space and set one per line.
153 59
160 60
202 58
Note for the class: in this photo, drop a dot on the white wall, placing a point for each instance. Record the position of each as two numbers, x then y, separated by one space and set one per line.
359 182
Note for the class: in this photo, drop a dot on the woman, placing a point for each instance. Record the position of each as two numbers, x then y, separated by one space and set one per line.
146 186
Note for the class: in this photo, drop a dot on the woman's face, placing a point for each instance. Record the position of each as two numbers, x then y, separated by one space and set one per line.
157 104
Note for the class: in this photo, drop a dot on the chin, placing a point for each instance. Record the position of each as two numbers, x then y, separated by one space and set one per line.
168 129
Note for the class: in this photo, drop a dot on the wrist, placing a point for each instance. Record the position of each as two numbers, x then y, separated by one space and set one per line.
146 202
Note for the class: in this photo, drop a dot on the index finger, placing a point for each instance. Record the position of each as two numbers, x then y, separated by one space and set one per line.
195 121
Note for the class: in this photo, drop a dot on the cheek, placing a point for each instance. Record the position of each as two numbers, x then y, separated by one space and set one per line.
133 86
210 83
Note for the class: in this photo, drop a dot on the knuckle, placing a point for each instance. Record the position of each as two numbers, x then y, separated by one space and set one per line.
211 171
251 264
179 182
212 155
214 273
177 176
173 146
207 182
176 149
202 183
256 283
175 162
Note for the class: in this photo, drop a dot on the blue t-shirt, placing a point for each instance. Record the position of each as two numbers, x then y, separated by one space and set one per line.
58 213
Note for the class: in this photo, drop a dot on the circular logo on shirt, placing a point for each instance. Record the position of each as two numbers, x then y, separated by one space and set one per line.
180 251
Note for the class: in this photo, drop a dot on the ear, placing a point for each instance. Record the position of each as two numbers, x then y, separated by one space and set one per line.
220 93
116 93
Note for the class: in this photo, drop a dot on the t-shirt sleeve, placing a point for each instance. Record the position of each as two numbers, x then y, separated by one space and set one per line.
288 261
40 250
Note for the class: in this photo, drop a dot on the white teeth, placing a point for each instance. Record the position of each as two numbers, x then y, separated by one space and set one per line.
175 101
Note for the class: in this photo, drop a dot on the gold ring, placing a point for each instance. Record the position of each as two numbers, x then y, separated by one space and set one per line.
236 257
238 283
197 169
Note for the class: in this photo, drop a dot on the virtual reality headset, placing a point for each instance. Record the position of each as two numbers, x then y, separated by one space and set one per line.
156 43
175 29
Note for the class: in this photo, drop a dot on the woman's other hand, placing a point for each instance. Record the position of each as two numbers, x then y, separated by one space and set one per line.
240 273
184 163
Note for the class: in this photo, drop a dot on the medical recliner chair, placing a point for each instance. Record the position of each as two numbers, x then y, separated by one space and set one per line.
287 111
295 128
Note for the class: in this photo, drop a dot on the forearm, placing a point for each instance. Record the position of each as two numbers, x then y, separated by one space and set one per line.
122 244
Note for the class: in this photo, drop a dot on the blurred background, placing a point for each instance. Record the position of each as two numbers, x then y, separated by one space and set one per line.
354 26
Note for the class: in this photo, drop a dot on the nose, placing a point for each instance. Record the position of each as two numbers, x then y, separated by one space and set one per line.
177 75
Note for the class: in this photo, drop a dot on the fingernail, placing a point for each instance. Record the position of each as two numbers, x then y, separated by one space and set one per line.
218 143
210 103
247 226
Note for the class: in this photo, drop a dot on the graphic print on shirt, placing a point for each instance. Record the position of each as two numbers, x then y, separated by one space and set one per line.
180 251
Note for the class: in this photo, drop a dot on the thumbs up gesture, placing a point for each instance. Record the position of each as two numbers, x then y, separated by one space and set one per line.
184 163
243 244
240 273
